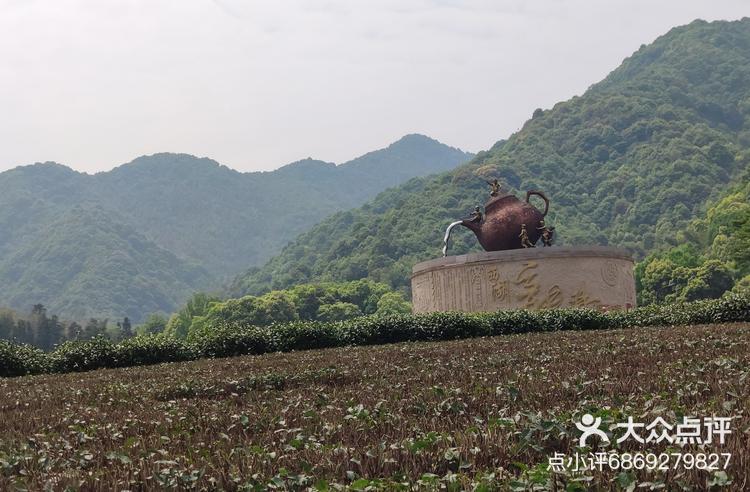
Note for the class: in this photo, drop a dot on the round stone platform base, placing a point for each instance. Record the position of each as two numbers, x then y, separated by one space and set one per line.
596 277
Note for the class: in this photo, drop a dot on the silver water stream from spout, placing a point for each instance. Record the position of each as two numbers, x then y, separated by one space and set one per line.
448 236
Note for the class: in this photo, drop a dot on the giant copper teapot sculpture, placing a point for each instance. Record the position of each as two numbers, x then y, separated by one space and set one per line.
504 219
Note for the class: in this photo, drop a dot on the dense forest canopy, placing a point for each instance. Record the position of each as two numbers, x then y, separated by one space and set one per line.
328 301
713 255
143 237
88 261
629 163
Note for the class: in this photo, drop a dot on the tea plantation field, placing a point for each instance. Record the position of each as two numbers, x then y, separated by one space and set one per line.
482 413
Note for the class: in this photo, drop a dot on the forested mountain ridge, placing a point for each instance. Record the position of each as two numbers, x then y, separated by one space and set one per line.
629 163
234 219
144 236
89 261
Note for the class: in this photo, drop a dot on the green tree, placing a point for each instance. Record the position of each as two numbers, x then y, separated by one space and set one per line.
393 303
7 324
55 332
22 332
179 323
742 286
708 281
246 311
338 311
715 254
276 306
94 328
662 280
155 323
126 329
40 328
74 331
307 299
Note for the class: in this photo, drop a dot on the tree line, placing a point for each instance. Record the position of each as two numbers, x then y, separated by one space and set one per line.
329 301
45 331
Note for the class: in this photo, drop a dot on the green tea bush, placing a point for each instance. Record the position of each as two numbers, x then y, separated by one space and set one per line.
228 339
450 326
86 355
303 335
21 359
152 349
731 307
509 322
376 330
572 319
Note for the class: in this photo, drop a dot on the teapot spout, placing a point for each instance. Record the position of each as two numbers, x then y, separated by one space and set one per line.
474 226
448 236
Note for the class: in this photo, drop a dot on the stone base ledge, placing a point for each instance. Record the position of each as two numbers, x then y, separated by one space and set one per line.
598 277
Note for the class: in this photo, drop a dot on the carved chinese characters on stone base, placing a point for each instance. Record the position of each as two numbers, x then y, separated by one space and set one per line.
583 300
553 299
476 285
500 287
525 283
527 280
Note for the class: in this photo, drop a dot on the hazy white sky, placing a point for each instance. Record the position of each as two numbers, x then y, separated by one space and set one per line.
255 85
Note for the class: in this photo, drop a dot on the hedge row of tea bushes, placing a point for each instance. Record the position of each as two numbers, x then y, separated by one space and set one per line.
227 339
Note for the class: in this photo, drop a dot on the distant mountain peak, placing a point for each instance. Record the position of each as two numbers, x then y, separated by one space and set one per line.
419 140
307 162
47 166
171 159
417 137
169 164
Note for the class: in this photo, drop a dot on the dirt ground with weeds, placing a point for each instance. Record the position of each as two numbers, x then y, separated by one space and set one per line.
483 414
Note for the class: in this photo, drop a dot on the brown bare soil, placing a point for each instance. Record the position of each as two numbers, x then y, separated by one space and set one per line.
484 413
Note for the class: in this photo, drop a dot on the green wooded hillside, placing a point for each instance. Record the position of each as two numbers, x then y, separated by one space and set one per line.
713 254
144 236
307 302
629 163
87 261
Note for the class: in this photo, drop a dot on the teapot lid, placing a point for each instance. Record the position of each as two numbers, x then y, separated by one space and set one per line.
495 200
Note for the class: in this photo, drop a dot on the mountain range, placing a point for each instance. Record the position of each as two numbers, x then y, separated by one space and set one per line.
629 163
143 237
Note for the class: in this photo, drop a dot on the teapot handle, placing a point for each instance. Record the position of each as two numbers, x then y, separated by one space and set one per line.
542 196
